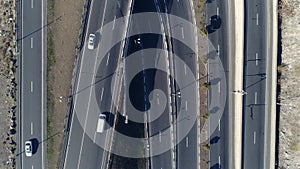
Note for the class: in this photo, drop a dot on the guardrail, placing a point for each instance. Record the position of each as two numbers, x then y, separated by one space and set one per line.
80 44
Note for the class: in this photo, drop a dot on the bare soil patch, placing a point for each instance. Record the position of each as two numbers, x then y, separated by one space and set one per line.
62 33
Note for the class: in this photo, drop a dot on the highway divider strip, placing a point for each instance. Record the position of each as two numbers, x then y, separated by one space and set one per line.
236 61
271 68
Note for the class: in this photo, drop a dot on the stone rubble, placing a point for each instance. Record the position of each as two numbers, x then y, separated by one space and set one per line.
8 84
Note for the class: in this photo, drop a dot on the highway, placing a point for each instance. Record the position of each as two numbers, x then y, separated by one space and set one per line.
254 84
219 136
186 149
95 85
32 77
82 152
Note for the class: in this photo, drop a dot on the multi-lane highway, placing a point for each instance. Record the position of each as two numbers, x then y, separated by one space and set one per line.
32 80
254 84
95 79
82 152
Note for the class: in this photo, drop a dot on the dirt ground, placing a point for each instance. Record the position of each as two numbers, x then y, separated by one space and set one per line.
61 56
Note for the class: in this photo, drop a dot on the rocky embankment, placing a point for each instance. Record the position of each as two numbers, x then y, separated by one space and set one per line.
289 128
8 84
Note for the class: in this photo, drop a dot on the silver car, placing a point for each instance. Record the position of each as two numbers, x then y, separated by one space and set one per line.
91 42
28 148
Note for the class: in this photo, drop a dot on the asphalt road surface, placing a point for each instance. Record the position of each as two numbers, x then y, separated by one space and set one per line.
82 150
32 79
218 141
255 85
94 91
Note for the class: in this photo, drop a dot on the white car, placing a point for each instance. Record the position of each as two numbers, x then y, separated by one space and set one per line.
28 148
91 42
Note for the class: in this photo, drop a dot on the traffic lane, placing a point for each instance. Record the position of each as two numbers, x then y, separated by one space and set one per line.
253 141
31 125
91 153
187 149
254 120
163 160
219 40
180 8
32 19
102 81
86 111
72 154
110 9
253 135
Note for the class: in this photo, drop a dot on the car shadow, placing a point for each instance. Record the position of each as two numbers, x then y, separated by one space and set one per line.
215 23
97 39
35 145
214 140
216 166
214 110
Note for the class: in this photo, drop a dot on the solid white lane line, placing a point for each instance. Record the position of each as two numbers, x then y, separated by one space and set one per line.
31 128
254 137
31 43
104 11
101 94
159 136
31 86
108 55
255 97
256 59
31 3
114 23
217 11
218 50
256 18
219 125
94 140
149 27
219 86
187 142
182 32
186 105
43 87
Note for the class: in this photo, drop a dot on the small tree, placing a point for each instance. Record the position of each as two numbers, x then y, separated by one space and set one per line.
206 147
206 86
205 116
280 68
